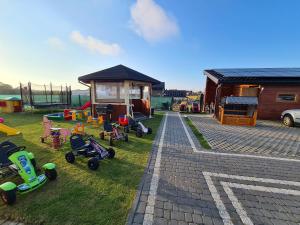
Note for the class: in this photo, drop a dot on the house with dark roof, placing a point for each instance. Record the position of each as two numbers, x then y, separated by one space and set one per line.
276 89
127 90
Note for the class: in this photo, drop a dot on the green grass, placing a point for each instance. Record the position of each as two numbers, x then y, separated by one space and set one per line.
196 132
79 195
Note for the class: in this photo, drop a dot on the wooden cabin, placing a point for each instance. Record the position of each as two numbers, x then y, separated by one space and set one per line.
277 89
127 90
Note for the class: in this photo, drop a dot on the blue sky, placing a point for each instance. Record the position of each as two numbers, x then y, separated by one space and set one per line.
173 41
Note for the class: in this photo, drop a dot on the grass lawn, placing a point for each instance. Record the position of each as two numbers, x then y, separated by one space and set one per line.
79 195
196 132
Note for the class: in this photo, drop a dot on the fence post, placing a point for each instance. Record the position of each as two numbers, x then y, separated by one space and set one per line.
70 95
51 92
79 99
46 92
30 95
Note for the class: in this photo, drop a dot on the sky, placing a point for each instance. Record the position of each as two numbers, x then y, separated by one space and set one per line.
171 40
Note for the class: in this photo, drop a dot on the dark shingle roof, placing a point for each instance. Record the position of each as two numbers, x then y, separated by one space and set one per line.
257 75
117 73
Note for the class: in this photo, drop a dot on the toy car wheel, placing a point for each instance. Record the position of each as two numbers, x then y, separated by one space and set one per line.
8 197
51 174
126 129
149 130
126 137
93 163
101 135
70 157
139 133
111 153
110 140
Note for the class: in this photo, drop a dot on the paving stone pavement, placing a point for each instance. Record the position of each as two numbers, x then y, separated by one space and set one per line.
197 188
266 138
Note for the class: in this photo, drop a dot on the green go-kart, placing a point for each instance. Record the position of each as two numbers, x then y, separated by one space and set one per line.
15 159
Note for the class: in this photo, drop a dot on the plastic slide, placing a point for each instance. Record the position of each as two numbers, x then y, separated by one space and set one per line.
85 106
8 130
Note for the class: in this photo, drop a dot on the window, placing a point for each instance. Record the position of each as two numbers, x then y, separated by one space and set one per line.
108 91
135 93
286 97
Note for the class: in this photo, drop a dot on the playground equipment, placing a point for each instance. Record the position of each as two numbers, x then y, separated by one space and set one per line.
95 121
8 130
49 131
111 130
90 148
78 129
85 106
10 105
195 107
45 96
139 128
20 162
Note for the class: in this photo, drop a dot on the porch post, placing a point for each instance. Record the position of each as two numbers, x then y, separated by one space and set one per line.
150 94
127 103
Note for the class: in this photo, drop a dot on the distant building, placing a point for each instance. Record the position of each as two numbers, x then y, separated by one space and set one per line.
276 89
158 89
175 93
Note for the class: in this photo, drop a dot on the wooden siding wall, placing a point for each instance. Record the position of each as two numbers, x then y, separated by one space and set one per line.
210 91
269 108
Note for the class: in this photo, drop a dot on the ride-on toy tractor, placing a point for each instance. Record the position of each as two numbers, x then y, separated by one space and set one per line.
16 159
139 128
112 130
90 148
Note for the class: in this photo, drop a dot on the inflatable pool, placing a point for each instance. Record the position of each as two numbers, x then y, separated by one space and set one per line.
56 116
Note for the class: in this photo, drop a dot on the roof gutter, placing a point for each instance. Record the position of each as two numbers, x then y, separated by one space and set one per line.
84 84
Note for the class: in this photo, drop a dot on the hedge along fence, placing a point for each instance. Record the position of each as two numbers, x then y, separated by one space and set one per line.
161 102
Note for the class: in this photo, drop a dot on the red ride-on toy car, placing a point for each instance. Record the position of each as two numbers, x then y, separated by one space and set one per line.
195 107
111 130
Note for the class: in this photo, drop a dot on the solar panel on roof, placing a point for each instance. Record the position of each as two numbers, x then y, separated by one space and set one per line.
260 72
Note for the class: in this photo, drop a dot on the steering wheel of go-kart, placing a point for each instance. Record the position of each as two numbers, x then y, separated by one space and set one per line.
15 149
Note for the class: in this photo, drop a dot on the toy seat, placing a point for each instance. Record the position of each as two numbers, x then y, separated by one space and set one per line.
107 126
79 145
4 148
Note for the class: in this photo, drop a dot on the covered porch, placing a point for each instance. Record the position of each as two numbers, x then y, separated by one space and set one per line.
127 91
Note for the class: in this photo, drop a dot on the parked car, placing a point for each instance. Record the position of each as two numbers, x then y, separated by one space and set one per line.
291 117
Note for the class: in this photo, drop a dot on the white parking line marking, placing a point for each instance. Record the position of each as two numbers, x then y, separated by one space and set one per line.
188 135
236 204
220 206
148 218
227 186
230 154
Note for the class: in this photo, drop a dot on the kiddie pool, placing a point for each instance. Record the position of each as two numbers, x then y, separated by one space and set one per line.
55 116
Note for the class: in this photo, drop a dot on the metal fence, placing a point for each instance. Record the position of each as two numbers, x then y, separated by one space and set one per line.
161 102
37 95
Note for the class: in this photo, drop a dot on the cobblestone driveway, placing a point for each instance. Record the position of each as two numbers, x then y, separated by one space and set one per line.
183 186
267 138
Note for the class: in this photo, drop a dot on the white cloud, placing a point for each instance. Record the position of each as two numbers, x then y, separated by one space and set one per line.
150 21
56 43
95 44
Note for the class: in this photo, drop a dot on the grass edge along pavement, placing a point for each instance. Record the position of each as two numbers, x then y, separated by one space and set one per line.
196 132
79 195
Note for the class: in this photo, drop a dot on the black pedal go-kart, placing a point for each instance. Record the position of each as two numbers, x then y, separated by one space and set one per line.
139 128
90 149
